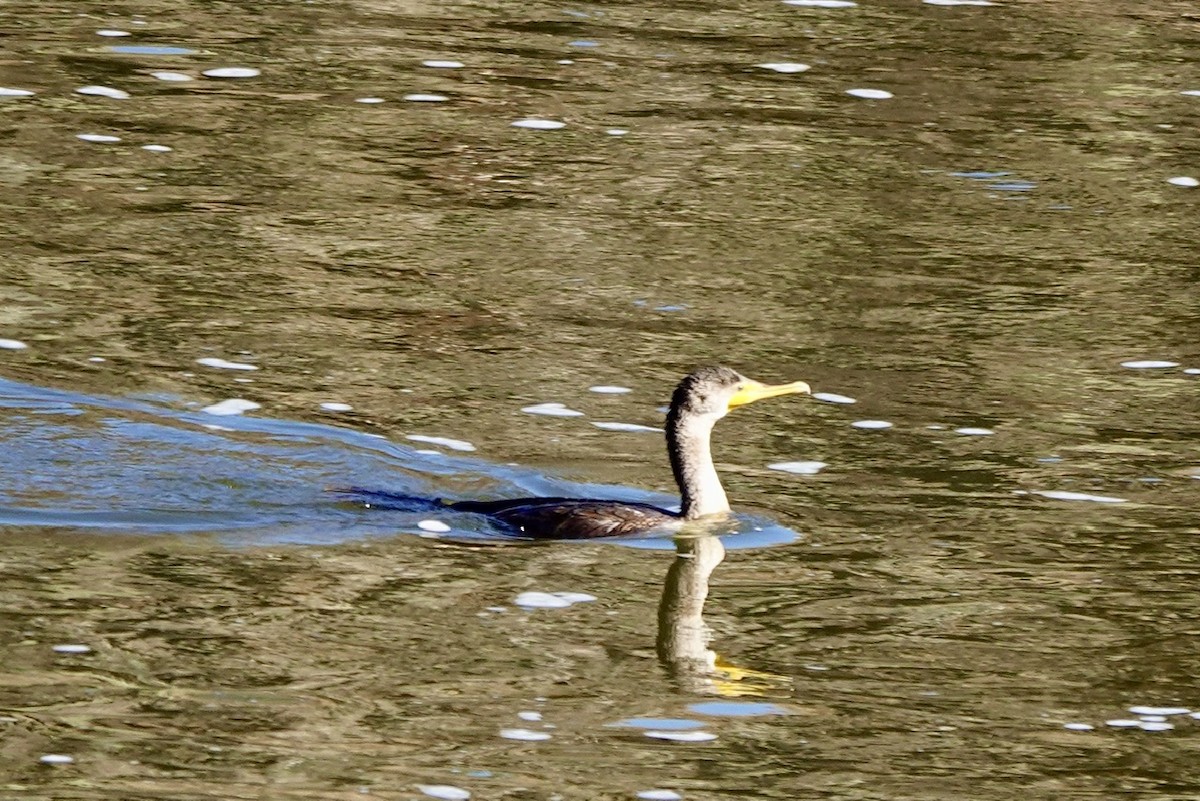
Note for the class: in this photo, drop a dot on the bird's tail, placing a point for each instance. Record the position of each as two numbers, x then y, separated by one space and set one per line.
392 501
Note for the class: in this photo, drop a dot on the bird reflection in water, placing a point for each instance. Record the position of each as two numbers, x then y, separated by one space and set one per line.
683 636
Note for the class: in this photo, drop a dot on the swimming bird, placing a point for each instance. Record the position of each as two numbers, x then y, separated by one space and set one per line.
701 399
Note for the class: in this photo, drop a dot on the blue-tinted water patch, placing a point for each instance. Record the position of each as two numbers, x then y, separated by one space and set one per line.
1013 186
152 50
663 724
155 466
737 709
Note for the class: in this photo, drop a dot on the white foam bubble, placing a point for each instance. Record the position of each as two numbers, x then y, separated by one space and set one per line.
443 64
448 792
830 397
157 148
659 795
609 389
537 124
974 432
870 94
1149 364
12 344
175 77
221 364
7 92
799 468
1078 726
821 3
233 72
616 131
681 736
336 406
99 138
1183 180
419 97
530 716
445 442
551 410
435 526
1159 710
103 91
71 648
524 734
112 33
786 67
552 600
1063 495
871 424
231 406
627 427
56 759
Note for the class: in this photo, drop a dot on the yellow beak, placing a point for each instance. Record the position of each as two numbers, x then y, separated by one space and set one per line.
755 391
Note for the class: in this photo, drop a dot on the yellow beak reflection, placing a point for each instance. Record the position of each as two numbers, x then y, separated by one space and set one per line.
753 391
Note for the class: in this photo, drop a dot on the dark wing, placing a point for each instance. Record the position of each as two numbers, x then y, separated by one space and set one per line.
571 518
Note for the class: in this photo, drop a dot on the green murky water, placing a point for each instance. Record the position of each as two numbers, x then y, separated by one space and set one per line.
981 250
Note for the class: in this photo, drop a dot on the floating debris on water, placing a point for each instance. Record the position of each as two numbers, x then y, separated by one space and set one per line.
1079 726
231 406
103 91
232 72
112 33
530 716
12 344
871 424
98 138
1064 495
616 131
974 432
536 124
434 526
1184 180
160 149
71 648
445 442
551 410
336 406
176 77
870 94
552 600
370 101
609 389
222 364
628 427
442 64
425 98
831 397
7 92
524 734
1159 710
799 468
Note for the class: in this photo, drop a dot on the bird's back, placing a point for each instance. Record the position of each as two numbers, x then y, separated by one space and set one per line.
572 518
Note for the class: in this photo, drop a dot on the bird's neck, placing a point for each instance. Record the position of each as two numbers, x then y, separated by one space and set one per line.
691 462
